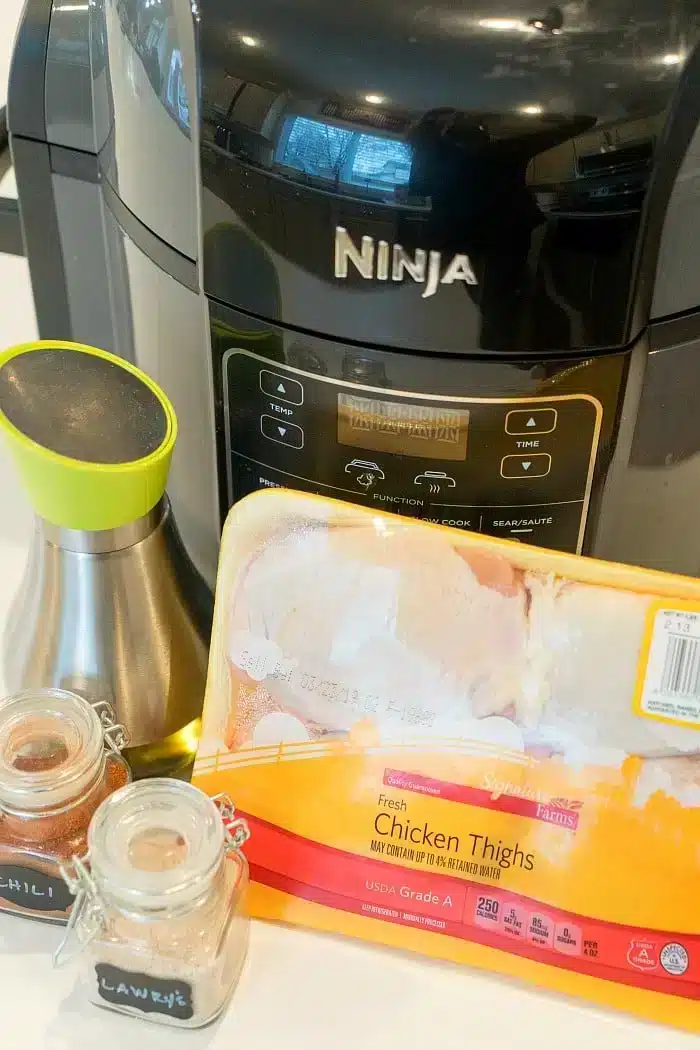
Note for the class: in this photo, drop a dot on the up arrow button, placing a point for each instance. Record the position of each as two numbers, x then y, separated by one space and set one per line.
281 388
531 421
537 466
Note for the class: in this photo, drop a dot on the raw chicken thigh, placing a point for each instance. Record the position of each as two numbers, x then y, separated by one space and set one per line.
589 640
338 627
678 777
397 628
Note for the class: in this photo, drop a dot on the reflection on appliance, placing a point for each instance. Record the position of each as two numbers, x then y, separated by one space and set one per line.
361 368
608 180
474 170
151 30
552 21
176 92
342 155
235 259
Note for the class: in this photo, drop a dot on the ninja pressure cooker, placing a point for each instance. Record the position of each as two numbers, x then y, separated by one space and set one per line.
437 259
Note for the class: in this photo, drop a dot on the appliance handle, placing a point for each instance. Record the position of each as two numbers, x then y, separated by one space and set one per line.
10 226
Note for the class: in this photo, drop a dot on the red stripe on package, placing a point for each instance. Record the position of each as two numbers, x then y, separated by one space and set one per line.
483 914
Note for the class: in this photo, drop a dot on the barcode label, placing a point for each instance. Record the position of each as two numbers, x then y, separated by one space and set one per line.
681 673
671 684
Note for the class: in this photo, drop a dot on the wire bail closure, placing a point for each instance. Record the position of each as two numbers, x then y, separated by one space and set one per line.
115 734
236 829
87 914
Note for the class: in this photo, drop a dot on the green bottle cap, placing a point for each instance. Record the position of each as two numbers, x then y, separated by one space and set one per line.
91 435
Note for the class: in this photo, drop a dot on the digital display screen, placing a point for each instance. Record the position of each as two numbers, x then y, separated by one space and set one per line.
431 431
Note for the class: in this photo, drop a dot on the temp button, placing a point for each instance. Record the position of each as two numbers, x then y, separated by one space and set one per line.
283 433
534 465
282 388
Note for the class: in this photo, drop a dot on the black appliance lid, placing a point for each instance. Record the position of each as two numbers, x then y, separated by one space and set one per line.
443 177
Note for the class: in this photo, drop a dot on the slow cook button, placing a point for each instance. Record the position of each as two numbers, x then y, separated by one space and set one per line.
281 432
555 526
466 519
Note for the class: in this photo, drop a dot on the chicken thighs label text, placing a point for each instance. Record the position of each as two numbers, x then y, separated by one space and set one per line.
474 854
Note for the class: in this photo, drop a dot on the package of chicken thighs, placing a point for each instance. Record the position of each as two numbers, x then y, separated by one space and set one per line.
462 746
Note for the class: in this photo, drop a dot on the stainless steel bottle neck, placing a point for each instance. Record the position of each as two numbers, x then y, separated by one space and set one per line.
106 541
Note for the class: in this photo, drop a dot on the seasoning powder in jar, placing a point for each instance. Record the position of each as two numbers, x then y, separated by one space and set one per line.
161 916
59 759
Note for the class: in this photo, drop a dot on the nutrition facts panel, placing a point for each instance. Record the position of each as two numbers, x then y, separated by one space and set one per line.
518 468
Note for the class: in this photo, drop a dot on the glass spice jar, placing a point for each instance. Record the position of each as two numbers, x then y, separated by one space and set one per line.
59 759
160 925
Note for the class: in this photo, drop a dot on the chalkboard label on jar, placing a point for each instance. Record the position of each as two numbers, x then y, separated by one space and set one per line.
31 889
141 992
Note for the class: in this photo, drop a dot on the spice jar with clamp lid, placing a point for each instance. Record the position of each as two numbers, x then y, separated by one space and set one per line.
59 759
160 923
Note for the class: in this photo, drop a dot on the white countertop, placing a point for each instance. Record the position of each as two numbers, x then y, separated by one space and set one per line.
299 989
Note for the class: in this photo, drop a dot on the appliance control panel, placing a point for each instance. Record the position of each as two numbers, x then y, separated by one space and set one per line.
520 468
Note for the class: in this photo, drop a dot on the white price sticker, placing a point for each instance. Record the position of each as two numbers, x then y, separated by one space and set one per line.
671 686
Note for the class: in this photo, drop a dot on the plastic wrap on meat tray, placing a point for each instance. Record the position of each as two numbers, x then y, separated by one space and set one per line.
374 679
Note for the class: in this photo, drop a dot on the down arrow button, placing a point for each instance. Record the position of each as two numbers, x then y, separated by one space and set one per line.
537 465
283 433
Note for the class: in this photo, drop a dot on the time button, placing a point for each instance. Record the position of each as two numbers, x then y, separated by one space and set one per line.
523 421
536 465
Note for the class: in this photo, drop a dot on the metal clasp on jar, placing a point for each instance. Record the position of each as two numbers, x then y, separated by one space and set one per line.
236 830
87 915
115 733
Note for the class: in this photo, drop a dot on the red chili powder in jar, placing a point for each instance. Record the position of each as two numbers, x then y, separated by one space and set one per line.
63 834
54 773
